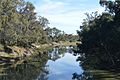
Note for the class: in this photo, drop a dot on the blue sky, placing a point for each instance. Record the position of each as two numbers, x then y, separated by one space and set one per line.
66 15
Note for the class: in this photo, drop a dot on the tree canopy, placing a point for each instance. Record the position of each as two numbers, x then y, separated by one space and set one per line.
100 36
20 26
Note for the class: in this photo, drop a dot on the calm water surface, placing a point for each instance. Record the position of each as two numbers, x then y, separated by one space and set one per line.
56 64
63 67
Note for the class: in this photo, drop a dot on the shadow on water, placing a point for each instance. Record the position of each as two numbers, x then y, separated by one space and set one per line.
24 70
96 75
93 69
57 64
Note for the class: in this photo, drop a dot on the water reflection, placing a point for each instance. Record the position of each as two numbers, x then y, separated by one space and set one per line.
27 71
58 64
92 69
97 75
56 53
63 67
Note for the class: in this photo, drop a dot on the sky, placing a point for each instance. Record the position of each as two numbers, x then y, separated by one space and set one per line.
66 15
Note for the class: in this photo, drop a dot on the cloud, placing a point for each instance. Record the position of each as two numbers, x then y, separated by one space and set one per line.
66 15
69 21
51 7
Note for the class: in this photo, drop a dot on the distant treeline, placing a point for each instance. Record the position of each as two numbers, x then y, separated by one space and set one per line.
100 37
20 26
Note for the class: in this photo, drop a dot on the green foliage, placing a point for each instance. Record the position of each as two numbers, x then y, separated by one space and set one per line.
19 24
55 34
100 35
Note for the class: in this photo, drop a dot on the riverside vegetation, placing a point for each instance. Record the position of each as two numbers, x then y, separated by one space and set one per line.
21 30
100 37
23 33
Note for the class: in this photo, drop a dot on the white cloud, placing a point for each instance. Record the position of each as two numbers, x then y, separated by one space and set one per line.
64 15
70 21
48 8
51 7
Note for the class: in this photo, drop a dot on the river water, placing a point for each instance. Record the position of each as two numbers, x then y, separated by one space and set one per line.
56 64
62 66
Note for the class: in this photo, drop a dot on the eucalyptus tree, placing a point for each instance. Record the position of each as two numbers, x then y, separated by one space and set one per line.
9 18
113 7
100 35
19 24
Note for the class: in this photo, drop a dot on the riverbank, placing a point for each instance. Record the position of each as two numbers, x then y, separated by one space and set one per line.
16 53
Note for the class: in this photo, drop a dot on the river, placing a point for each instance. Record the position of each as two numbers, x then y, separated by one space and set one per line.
56 64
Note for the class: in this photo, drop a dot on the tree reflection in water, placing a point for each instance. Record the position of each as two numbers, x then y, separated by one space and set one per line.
92 69
32 69
25 71
84 76
56 53
63 64
36 67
